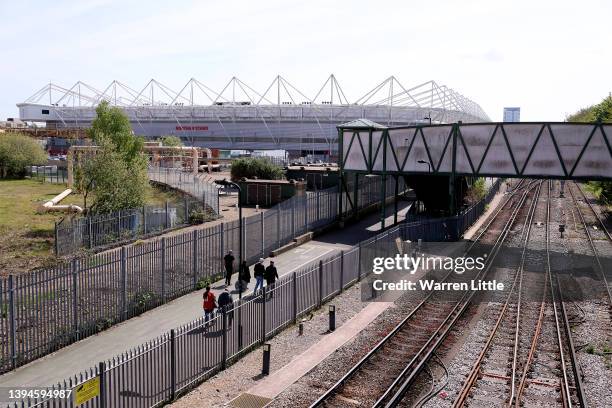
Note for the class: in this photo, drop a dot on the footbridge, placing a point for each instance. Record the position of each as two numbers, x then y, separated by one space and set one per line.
561 150
558 150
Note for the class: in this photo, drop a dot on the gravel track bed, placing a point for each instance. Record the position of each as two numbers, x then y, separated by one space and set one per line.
245 373
323 376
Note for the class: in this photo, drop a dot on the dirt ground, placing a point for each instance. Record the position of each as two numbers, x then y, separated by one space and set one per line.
26 233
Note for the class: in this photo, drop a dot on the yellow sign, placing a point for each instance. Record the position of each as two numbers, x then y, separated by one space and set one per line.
86 391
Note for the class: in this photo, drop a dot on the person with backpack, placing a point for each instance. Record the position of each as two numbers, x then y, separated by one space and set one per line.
259 271
225 302
244 276
209 304
228 260
271 275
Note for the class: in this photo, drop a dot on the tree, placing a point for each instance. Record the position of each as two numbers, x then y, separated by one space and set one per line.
602 112
259 167
112 124
117 172
18 151
171 141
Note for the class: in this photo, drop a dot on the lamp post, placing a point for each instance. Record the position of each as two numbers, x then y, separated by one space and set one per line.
427 163
229 183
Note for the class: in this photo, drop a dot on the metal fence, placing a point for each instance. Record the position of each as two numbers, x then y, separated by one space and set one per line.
154 373
98 231
45 310
192 184
48 174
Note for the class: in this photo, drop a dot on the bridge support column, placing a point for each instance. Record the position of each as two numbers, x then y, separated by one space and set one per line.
383 201
355 195
395 199
451 180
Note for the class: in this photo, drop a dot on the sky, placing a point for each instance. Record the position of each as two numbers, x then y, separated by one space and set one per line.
551 58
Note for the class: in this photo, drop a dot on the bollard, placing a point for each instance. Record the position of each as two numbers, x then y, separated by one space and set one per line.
301 329
373 290
256 207
265 369
332 318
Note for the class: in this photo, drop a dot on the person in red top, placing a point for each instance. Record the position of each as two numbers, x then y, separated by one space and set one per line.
209 303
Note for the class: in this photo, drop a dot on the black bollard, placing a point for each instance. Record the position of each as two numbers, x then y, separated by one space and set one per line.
332 318
265 369
301 329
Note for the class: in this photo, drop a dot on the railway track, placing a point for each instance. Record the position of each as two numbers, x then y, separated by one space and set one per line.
595 231
543 368
392 365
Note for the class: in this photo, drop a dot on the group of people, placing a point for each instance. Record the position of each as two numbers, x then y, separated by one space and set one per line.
269 273
260 272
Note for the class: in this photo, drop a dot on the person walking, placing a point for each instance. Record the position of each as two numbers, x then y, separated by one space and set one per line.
225 303
229 267
244 276
271 275
209 304
259 271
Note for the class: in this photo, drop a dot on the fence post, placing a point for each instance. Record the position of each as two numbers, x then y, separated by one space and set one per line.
359 262
102 375
263 319
118 224
75 310
224 345
263 236
144 220
13 334
186 221
163 269
222 246
295 312
305 212
341 271
292 218
167 220
55 235
89 231
194 256
172 364
278 225
318 205
124 282
320 283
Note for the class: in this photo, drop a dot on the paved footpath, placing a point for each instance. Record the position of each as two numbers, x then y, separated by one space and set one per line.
88 352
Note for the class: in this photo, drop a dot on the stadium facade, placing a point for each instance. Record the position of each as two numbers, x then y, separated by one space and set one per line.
238 117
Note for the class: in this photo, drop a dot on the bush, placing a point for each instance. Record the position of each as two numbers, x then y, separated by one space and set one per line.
477 191
259 167
18 151
171 141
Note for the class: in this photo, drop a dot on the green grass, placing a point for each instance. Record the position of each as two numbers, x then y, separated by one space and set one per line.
26 234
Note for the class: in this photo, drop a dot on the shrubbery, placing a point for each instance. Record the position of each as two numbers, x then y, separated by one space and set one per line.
259 167
18 151
602 112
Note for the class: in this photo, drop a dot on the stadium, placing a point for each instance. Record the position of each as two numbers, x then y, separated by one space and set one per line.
239 117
